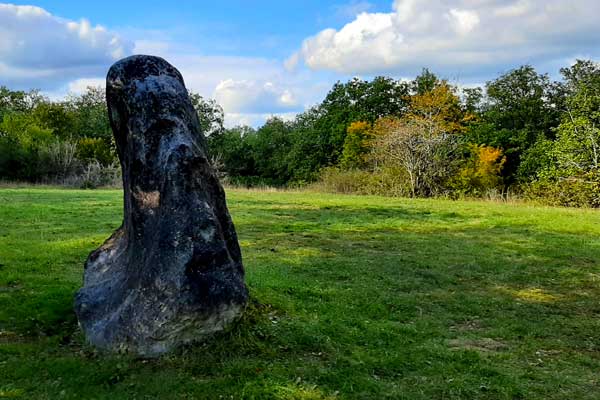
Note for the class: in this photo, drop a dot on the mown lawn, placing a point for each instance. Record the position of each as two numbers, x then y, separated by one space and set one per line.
353 298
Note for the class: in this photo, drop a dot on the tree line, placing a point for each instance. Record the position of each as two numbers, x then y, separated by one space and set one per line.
521 133
68 141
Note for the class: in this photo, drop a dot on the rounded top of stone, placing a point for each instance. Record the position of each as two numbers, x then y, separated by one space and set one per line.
139 67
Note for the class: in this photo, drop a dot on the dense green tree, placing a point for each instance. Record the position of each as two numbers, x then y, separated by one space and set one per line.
210 114
472 99
91 114
582 74
59 117
577 146
18 101
40 139
357 100
574 150
520 109
425 82
270 149
232 148
23 147
311 148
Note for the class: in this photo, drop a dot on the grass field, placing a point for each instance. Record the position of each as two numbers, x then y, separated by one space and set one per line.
353 298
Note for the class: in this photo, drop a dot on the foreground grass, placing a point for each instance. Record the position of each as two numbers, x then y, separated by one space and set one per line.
354 298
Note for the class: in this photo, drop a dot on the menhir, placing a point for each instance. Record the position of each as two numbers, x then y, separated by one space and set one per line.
172 273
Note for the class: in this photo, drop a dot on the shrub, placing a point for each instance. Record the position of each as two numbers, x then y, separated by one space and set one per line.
335 180
424 159
581 191
62 158
94 175
385 182
95 149
356 145
481 172
249 182
23 146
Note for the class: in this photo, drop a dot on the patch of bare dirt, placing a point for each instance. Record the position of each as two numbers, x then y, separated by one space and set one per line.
483 345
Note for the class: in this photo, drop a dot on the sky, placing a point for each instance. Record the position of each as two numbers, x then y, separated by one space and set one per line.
265 57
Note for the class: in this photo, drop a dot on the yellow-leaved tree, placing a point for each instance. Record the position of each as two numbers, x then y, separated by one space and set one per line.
482 171
356 145
437 111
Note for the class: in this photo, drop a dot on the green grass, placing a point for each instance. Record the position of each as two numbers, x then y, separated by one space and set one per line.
353 298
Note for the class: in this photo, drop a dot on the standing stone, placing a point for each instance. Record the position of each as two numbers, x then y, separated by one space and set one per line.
172 273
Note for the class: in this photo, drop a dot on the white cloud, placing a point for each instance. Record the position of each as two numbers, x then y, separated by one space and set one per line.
463 21
253 97
250 89
80 85
336 50
254 119
291 62
516 9
203 73
37 48
57 55
456 36
352 9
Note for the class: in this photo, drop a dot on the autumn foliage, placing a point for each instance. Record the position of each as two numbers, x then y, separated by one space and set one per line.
356 145
482 170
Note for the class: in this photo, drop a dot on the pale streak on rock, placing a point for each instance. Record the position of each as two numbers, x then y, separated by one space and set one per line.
147 199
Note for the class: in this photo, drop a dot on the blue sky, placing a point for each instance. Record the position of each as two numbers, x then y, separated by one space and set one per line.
249 28
269 57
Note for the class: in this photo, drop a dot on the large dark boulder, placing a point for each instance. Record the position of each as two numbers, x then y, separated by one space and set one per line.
172 273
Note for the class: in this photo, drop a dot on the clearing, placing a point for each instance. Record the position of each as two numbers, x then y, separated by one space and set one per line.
353 298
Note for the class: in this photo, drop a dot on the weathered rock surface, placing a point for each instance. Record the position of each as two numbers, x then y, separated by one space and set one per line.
172 273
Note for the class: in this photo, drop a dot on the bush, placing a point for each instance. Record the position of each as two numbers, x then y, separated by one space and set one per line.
62 158
94 175
481 173
95 149
385 182
335 180
423 159
356 145
23 148
583 191
249 181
